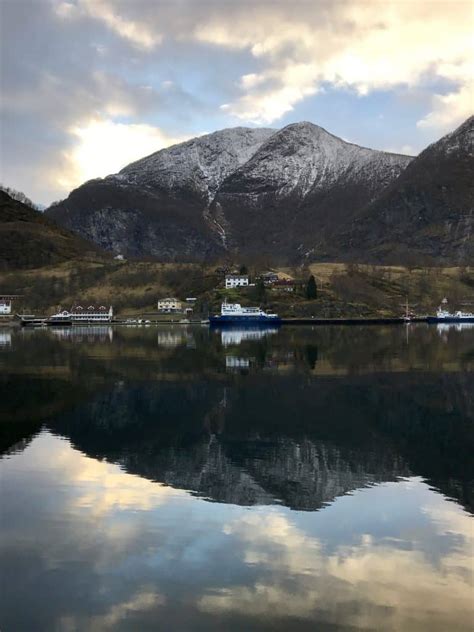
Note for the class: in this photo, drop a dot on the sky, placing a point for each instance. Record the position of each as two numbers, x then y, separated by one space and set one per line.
88 86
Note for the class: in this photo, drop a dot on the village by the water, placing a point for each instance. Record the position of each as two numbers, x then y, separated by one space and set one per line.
191 309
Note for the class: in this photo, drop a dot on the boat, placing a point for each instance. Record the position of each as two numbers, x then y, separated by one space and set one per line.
30 320
445 316
235 314
409 315
63 319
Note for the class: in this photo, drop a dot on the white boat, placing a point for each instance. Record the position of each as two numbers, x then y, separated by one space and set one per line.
235 314
445 316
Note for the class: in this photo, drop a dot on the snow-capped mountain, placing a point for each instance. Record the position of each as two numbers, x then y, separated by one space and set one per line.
298 188
199 165
290 194
158 205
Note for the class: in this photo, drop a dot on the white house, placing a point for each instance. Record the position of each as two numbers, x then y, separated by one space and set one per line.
170 305
236 280
5 306
6 303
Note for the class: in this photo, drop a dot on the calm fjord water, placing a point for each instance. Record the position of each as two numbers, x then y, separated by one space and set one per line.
183 479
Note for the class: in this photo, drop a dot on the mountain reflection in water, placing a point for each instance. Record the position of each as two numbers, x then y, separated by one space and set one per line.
338 462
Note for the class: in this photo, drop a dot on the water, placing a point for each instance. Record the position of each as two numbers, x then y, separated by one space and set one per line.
180 479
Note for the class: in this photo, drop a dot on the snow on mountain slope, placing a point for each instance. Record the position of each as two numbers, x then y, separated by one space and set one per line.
303 157
299 186
198 165
158 205
299 193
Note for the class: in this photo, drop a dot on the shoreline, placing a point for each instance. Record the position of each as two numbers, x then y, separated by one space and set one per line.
351 321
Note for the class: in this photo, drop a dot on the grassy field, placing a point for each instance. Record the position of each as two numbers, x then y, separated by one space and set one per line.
343 289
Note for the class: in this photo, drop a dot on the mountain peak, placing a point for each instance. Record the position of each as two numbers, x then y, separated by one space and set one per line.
286 195
461 139
200 164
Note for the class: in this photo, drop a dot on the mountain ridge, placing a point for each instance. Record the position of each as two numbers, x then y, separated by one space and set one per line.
299 173
291 195
431 205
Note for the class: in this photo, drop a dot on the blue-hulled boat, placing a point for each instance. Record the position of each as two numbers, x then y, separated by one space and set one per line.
235 314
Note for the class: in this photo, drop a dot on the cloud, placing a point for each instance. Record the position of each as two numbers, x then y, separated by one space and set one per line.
140 35
396 556
144 600
282 90
180 67
396 587
449 109
105 147
359 46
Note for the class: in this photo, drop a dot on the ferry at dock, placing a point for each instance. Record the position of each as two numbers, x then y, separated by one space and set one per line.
235 314
445 316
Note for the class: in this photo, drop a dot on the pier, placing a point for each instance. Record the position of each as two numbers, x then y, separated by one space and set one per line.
351 321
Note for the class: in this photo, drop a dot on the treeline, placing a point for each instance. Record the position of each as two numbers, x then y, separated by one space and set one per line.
20 197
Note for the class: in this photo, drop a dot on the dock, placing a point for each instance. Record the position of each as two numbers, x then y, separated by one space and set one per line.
350 321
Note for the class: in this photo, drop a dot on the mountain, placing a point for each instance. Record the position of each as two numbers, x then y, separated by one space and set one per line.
427 214
253 191
158 205
30 240
290 195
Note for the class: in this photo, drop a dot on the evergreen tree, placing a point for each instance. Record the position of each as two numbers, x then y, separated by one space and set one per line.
311 289
243 269
260 292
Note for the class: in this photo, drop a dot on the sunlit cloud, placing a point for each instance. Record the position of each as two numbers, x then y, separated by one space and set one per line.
81 61
358 46
450 108
415 574
102 488
401 587
104 147
288 87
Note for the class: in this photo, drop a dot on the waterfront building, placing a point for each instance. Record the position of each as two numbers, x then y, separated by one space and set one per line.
5 306
79 314
6 301
170 305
